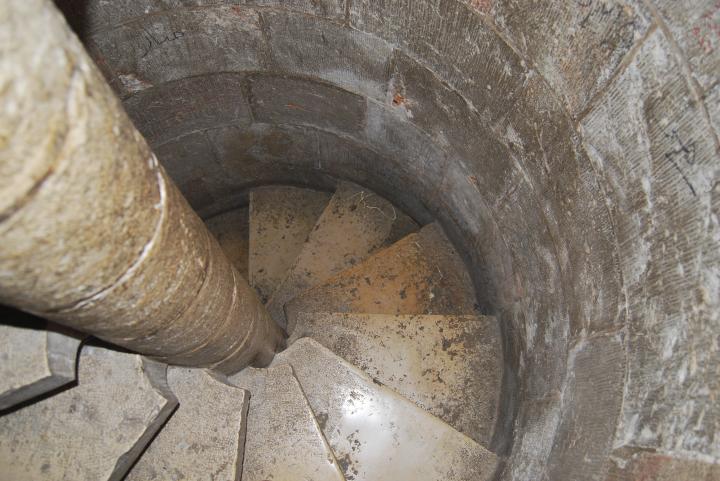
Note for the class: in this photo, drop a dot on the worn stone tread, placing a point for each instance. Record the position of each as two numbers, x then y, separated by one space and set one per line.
355 223
284 440
420 274
375 433
281 217
94 431
204 439
34 362
231 229
451 366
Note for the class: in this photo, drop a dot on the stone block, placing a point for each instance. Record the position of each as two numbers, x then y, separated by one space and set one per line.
311 47
284 100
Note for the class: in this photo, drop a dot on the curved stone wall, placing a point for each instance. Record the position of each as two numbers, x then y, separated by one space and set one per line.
570 148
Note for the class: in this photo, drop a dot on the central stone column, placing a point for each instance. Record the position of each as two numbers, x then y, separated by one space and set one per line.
93 234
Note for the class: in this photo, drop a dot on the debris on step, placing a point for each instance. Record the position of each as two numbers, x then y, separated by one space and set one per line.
420 274
355 223
284 441
231 229
403 226
204 439
376 434
450 365
281 217
94 431
35 361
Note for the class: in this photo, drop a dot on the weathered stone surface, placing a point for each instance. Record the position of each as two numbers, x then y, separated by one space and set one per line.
354 224
694 26
205 436
280 412
591 404
451 366
448 38
176 44
188 105
311 47
420 274
93 431
283 100
577 46
636 465
34 361
281 219
232 231
376 434
658 159
92 15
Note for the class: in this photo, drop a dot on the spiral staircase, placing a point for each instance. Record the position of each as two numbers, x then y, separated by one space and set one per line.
390 372
360 239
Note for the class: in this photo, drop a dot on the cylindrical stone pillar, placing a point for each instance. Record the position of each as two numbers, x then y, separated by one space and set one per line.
93 234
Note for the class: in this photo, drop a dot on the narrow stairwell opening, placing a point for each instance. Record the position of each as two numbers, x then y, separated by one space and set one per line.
563 157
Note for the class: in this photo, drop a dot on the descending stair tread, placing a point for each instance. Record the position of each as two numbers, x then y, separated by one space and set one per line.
376 434
204 436
231 229
420 274
94 431
281 217
450 365
34 361
284 441
355 223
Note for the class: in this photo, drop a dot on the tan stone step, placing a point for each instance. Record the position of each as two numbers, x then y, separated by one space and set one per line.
34 361
376 434
281 217
355 223
420 274
94 431
284 440
204 438
231 229
451 366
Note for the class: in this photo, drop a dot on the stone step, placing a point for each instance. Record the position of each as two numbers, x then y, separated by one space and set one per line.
451 366
204 438
281 217
284 440
355 223
420 274
231 229
34 360
376 434
94 431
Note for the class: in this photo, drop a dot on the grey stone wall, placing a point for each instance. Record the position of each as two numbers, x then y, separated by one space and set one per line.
570 148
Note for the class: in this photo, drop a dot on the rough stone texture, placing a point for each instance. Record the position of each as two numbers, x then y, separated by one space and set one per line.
205 436
659 160
153 49
280 412
354 224
189 105
34 361
232 231
374 433
281 219
451 366
129 261
94 431
636 465
282 100
420 274
309 46
556 34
